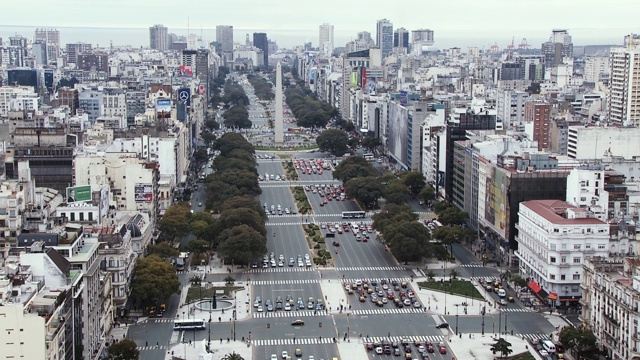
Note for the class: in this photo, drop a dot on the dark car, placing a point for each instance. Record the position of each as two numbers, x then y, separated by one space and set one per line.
298 323
397 352
335 243
442 326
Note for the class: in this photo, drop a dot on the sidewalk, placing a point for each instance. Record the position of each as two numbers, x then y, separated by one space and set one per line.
477 346
198 350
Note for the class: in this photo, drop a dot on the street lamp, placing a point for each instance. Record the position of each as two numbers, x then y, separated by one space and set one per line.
566 301
484 309
506 318
457 318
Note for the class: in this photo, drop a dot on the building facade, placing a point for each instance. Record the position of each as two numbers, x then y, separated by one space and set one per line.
624 88
260 41
384 37
158 37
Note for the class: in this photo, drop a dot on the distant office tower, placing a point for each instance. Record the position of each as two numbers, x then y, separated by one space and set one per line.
224 35
39 50
624 84
158 37
202 65
539 113
98 61
278 123
384 36
325 40
511 71
558 47
421 39
401 40
75 49
260 41
52 38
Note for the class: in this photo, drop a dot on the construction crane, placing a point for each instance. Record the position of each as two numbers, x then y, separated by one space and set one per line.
511 46
524 45
495 48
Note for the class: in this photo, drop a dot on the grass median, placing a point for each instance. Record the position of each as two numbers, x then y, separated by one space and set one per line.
455 287
196 292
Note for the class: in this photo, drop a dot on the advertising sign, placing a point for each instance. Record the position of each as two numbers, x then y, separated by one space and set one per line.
78 194
404 97
143 192
354 79
163 108
185 71
398 131
184 96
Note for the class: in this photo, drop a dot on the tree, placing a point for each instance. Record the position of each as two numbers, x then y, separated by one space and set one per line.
414 181
581 340
154 280
392 214
231 141
333 140
427 194
518 281
163 250
431 274
229 280
241 244
211 125
367 190
353 167
371 143
197 247
243 216
204 226
396 192
247 202
175 221
125 349
200 155
501 346
237 117
453 274
233 356
452 216
353 142
408 241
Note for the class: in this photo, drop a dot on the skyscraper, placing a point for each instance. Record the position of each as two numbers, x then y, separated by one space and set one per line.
52 38
158 37
420 39
401 40
75 49
384 37
260 41
624 84
325 40
558 47
224 35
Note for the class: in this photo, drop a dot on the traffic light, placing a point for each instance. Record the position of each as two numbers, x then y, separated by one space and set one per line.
215 303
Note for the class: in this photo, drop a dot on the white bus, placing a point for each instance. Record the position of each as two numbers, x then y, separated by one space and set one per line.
368 157
189 324
353 214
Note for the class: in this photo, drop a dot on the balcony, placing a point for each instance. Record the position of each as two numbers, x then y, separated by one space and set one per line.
610 318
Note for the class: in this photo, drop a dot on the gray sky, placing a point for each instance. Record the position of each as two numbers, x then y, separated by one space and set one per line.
455 22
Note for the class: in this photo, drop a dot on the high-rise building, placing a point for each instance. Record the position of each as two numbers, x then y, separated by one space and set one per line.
39 50
98 61
75 49
421 39
384 36
202 65
224 35
325 39
158 37
624 84
52 38
401 40
539 113
558 47
260 41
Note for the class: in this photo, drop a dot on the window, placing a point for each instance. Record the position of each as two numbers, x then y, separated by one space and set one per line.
552 260
577 246
90 216
563 259
576 260
556 230
562 277
587 246
81 216
602 246
112 263
73 216
576 276
552 277
563 246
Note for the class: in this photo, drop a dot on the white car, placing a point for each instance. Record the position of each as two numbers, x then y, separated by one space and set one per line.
274 357
260 308
285 354
544 353
287 307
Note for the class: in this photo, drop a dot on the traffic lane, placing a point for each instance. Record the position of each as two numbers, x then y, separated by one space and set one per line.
277 196
327 351
519 322
151 354
288 241
365 254
271 292
150 332
277 328
310 275
273 167
356 304
383 325
414 352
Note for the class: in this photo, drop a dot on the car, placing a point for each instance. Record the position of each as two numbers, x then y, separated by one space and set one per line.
543 352
430 347
291 262
287 307
298 352
298 322
260 308
397 352
442 349
335 243
503 302
443 325
362 298
285 354
379 350
416 305
274 357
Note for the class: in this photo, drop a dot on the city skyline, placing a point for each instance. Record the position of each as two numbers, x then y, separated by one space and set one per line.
495 21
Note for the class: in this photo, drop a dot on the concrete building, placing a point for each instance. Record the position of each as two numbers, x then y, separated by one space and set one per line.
260 41
52 38
69 97
97 61
554 240
421 40
75 49
325 39
401 41
596 69
224 35
158 37
352 65
90 102
624 88
7 93
135 103
384 37
585 189
610 298
557 48
362 42
510 109
114 103
538 113
593 142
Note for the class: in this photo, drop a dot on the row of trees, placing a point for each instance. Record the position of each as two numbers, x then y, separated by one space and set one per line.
215 86
407 239
235 100
262 87
334 141
308 110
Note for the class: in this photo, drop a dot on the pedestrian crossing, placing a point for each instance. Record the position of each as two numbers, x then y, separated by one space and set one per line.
534 336
472 265
505 309
158 321
286 282
284 223
293 341
296 314
371 268
387 311
280 269
152 347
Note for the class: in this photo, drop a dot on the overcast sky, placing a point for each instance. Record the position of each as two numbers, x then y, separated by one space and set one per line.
455 22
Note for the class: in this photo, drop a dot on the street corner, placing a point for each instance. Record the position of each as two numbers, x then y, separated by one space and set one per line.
477 346
334 295
200 350
353 349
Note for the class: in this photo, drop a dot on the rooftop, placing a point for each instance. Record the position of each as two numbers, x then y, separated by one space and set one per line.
561 213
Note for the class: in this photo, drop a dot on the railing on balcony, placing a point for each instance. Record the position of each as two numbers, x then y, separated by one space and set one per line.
610 318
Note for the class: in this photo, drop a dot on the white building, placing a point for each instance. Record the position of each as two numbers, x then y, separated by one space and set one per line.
510 109
585 189
596 69
554 239
325 39
594 142
8 93
624 88
114 103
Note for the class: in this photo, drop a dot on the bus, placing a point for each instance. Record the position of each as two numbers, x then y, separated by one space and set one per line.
180 264
353 214
189 324
368 157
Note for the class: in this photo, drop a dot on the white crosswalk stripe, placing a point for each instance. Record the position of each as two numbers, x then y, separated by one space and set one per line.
298 341
281 269
389 279
534 336
504 309
292 314
472 265
371 268
422 338
386 311
283 223
285 282
153 347
159 320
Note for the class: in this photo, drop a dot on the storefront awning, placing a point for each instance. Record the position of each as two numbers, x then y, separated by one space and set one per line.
534 286
553 296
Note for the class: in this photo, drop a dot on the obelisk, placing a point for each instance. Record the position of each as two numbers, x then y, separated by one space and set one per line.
278 123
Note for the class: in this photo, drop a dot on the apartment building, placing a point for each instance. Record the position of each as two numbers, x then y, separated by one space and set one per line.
624 88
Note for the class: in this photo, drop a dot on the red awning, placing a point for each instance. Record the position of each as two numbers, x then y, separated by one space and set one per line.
553 296
534 286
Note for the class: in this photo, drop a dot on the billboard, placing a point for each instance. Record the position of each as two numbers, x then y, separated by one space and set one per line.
398 131
143 192
354 78
185 71
80 193
312 75
495 202
184 96
163 108
404 97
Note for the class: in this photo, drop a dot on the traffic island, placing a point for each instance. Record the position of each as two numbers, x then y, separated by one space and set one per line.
302 202
479 347
318 245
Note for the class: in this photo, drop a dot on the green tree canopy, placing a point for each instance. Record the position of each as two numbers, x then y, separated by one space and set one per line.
408 240
501 346
414 181
233 356
581 340
125 349
175 221
333 141
154 280
371 143
231 141
427 194
247 202
241 244
353 167
367 190
237 116
263 89
396 192
163 250
243 216
453 216
197 247
391 214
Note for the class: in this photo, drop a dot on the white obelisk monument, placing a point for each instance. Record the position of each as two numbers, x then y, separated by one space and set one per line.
278 122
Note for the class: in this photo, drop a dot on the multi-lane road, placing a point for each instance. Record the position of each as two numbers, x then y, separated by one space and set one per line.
272 332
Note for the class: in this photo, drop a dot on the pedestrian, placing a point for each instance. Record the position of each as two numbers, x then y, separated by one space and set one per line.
220 340
228 340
